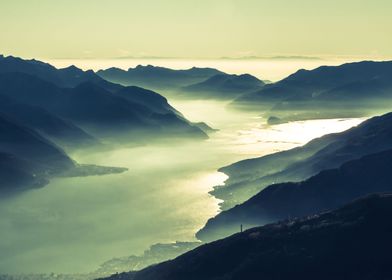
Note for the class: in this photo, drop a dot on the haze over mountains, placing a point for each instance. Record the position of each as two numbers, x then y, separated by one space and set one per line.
29 160
352 89
154 77
250 176
230 86
196 140
90 101
66 77
46 112
43 108
256 192
49 125
322 175
194 83
327 190
28 157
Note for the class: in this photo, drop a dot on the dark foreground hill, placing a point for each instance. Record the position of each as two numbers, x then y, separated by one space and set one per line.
327 190
352 242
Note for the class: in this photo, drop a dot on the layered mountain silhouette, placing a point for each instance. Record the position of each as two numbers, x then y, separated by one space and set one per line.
350 89
43 108
327 190
65 77
248 177
147 98
27 153
225 86
25 143
29 160
352 242
99 110
62 132
153 77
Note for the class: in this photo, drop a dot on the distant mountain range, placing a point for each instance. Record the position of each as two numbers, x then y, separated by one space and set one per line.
195 83
154 77
65 77
229 86
352 242
350 89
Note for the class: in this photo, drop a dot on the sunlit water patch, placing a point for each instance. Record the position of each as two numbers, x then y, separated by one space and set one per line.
75 224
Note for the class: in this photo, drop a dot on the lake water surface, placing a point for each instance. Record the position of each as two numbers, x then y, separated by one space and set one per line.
75 224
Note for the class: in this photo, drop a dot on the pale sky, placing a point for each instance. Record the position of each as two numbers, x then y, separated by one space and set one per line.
195 28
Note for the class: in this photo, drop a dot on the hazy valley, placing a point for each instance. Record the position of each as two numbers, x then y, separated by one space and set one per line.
95 171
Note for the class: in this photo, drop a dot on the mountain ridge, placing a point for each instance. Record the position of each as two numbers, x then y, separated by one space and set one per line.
325 245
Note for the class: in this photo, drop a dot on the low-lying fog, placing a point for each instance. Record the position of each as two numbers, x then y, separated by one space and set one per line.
75 224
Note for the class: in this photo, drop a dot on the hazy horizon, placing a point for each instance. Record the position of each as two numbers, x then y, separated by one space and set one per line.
269 69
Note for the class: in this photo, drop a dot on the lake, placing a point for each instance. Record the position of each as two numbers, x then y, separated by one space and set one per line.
75 224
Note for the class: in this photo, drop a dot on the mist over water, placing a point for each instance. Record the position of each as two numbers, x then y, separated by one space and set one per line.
75 224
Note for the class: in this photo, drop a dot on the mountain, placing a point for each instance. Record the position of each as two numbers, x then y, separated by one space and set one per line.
122 114
25 152
28 89
66 77
328 189
62 132
352 242
153 77
352 89
29 160
147 98
18 174
25 143
90 104
133 111
226 86
248 177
